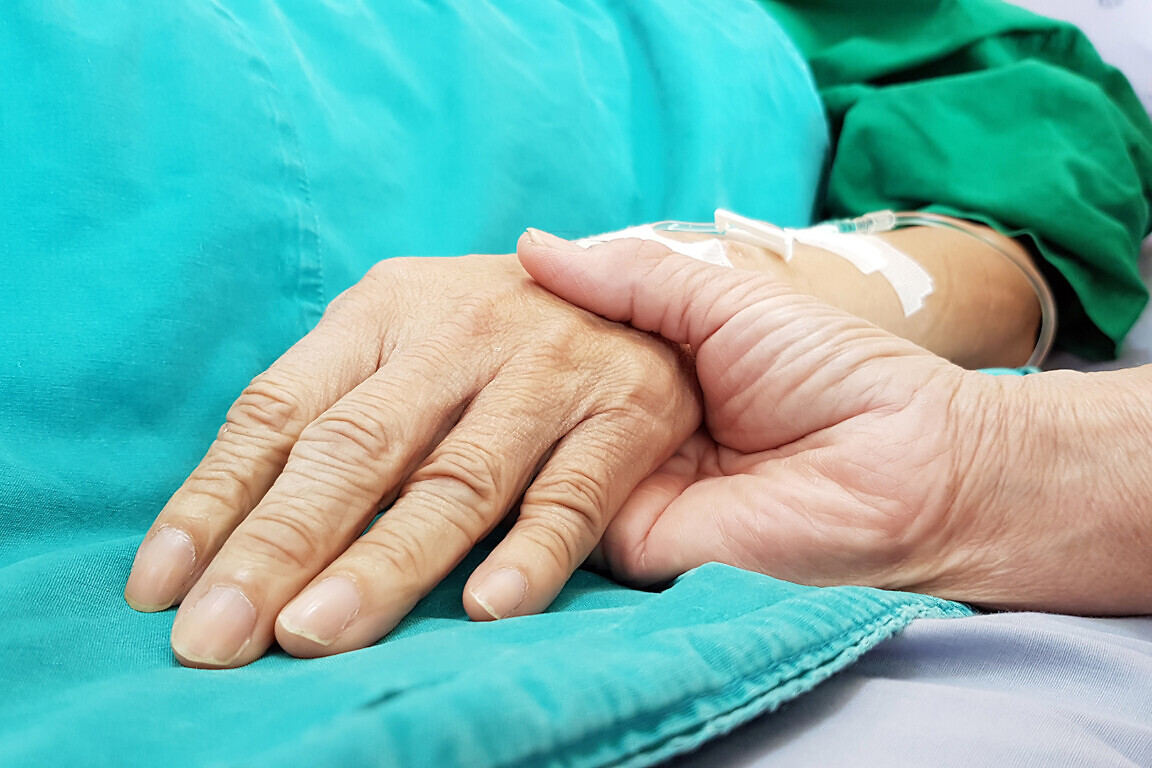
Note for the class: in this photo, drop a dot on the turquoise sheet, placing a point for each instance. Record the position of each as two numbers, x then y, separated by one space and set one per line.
186 184
610 676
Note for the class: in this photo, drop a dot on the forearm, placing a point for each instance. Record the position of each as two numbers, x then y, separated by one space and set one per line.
1058 496
983 311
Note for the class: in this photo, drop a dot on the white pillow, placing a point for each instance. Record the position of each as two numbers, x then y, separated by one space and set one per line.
1121 30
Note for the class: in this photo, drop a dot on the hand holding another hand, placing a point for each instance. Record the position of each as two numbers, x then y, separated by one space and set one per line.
835 453
443 390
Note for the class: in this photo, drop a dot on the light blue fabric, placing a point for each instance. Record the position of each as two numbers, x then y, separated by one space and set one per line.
1025 371
610 677
187 183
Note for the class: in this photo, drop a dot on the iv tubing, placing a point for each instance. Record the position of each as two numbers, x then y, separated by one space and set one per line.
886 221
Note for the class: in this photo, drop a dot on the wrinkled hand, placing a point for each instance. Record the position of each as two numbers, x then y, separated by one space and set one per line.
444 390
830 448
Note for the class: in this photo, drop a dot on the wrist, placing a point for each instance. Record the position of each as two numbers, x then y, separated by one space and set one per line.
952 551
1054 494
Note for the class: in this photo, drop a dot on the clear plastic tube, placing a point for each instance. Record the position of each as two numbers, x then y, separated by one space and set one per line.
886 221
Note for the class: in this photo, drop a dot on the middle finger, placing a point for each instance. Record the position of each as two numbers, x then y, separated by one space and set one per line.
340 469
454 499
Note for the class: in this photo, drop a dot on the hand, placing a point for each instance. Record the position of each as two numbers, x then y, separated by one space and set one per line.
836 453
833 452
442 390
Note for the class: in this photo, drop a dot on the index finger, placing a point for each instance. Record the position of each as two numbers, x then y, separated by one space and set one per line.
247 456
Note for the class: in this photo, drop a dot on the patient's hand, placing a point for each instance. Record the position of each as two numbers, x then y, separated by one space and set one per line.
826 457
836 453
445 388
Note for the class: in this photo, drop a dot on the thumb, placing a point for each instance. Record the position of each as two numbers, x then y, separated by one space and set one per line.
774 364
645 284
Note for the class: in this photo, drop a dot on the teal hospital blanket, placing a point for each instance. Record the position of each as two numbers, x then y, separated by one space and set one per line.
186 184
610 676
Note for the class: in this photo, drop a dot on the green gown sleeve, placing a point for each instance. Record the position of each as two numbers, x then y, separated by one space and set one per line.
982 110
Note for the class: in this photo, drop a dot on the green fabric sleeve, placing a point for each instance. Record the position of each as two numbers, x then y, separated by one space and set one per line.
982 110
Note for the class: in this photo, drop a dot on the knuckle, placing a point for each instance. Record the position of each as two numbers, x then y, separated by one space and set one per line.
292 538
445 518
223 484
397 548
368 314
348 304
629 371
567 337
386 271
565 514
390 282
555 537
573 494
348 437
268 406
467 474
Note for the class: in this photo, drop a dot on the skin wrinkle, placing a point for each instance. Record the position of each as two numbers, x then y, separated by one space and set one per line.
1101 482
968 542
398 552
676 325
631 561
801 383
574 492
424 510
896 514
746 341
435 513
747 338
705 330
485 486
563 548
349 433
251 445
265 405
220 485
318 472
421 370
287 538
657 271
1002 497
889 513
465 473
793 356
622 373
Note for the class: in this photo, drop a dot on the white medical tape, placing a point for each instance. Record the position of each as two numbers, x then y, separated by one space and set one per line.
710 251
867 253
736 227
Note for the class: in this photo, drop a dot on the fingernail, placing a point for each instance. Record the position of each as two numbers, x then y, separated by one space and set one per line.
217 629
551 241
501 592
322 612
162 566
